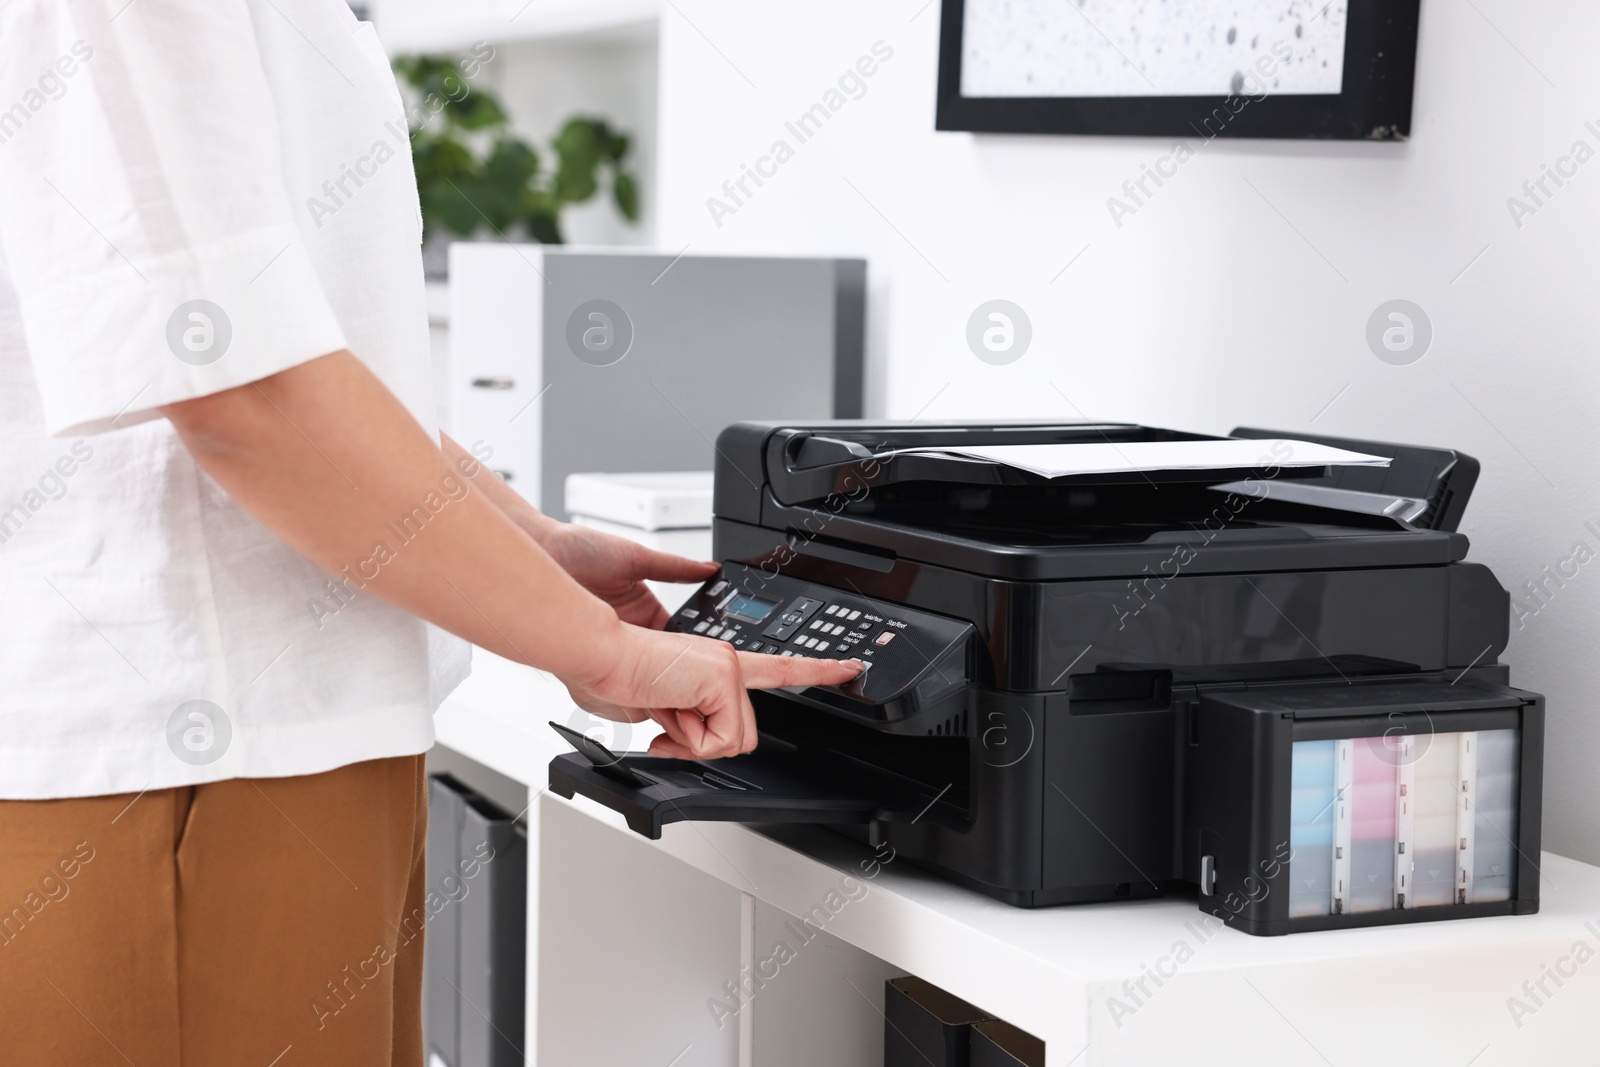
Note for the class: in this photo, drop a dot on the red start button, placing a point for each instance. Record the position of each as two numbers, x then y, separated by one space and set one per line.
884 638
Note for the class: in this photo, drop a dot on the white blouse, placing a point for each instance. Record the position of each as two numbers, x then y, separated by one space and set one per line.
194 194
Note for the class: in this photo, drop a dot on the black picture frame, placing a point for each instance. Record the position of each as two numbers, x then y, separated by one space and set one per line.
1375 104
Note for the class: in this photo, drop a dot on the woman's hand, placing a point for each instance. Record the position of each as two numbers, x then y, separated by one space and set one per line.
696 688
615 569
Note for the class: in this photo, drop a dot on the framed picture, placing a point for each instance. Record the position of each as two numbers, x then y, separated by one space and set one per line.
1330 69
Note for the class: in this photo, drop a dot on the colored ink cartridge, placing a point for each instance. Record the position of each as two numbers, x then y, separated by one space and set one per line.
1324 806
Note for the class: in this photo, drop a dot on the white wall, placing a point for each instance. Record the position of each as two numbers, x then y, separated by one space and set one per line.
1239 293
544 83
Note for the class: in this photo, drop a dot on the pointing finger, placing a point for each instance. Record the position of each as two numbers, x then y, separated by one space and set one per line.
783 672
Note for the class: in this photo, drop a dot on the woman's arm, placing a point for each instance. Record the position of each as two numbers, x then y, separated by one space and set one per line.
612 568
331 461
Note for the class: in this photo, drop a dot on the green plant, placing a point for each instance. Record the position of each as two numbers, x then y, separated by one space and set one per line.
474 174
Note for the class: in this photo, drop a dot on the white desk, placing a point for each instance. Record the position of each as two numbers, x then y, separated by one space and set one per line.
632 942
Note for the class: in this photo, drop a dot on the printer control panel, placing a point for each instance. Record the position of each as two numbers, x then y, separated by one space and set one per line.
906 650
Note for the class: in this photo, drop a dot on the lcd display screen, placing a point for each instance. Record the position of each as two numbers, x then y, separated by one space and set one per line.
750 609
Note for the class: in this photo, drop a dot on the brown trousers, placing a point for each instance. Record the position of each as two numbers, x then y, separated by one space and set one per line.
266 922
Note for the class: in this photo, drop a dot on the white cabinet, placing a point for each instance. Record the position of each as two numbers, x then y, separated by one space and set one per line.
496 367
568 360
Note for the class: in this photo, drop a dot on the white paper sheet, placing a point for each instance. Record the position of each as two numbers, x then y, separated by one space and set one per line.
1106 457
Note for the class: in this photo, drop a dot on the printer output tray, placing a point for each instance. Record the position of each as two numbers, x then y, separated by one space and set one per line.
777 783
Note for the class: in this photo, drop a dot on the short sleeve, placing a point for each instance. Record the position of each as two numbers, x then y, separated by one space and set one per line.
143 213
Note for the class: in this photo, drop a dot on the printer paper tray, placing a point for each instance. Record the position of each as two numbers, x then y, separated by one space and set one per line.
774 784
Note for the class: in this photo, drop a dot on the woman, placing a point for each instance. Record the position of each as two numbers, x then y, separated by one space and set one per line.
213 419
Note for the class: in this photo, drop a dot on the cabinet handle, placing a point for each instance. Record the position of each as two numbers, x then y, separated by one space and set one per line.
494 383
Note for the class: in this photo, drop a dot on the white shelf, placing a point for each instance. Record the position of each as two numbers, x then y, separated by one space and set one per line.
1422 993
431 26
1073 975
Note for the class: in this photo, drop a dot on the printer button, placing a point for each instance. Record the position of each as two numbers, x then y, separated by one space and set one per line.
794 616
701 626
715 631
727 635
884 638
716 590
787 623
822 646
854 615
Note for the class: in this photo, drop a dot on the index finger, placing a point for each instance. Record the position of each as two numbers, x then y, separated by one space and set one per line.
783 672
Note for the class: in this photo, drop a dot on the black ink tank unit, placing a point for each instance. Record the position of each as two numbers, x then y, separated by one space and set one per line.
1166 659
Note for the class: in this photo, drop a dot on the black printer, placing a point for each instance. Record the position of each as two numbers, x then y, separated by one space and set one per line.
1279 685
